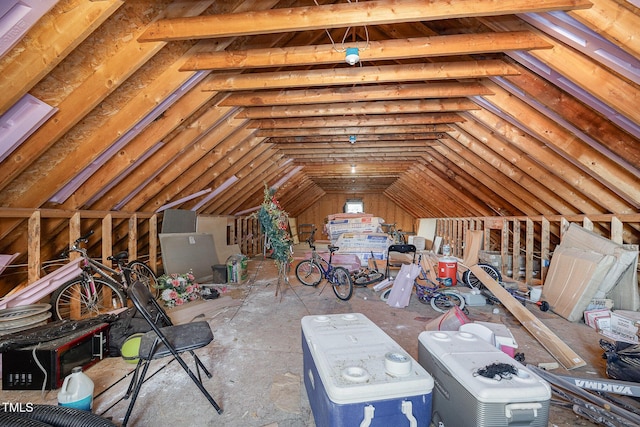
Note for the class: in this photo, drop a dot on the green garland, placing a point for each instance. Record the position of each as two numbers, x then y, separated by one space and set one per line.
274 225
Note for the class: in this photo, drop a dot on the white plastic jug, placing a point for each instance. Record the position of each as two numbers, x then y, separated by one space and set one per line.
76 391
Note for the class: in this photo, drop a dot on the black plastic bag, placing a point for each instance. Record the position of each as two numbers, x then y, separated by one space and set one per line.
623 360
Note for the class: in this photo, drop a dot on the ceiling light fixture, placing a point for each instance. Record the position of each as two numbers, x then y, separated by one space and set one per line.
352 56
352 139
353 168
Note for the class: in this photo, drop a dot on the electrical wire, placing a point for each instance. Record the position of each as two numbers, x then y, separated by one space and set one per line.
346 33
44 371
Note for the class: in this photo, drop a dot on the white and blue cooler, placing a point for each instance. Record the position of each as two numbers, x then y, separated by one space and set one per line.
356 375
462 396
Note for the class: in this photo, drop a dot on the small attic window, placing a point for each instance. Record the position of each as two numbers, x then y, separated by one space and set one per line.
354 206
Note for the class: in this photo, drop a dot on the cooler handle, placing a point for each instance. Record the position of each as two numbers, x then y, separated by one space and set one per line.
407 410
522 412
368 416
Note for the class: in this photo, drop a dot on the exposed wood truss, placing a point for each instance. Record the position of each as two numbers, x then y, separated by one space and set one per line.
455 109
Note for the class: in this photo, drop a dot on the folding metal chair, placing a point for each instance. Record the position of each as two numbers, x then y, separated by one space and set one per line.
399 248
163 341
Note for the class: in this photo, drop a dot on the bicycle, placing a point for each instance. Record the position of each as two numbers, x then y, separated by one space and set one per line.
366 276
99 288
310 272
441 299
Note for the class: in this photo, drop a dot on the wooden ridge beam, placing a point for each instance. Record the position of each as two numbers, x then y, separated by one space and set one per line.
360 75
394 49
286 20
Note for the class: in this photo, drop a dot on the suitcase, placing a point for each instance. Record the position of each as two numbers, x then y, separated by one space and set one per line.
355 374
462 396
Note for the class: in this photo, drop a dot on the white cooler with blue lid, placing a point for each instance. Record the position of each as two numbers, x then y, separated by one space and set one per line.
356 375
462 397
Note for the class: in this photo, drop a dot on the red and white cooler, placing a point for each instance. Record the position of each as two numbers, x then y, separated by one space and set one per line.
356 375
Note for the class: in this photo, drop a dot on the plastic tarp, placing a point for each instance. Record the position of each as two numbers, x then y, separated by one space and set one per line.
403 286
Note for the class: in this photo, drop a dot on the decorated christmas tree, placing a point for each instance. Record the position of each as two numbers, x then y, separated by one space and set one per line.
275 227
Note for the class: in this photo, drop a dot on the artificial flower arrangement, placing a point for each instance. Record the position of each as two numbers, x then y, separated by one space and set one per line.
178 289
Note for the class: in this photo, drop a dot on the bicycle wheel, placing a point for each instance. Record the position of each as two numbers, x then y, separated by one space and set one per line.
71 300
140 271
444 300
368 278
472 281
308 273
342 283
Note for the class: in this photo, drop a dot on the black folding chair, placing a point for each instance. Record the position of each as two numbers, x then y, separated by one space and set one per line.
163 341
399 248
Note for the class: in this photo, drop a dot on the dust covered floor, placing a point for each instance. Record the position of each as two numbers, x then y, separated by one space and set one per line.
256 356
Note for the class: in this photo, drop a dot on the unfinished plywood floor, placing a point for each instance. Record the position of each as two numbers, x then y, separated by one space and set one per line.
256 357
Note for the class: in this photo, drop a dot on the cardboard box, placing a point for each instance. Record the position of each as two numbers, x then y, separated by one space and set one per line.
603 324
626 325
591 316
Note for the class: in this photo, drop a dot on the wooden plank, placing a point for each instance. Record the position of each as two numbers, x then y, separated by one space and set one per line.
544 248
550 341
107 238
284 20
381 92
472 245
515 263
616 230
359 75
33 244
529 242
504 248
393 49
133 237
74 233
153 243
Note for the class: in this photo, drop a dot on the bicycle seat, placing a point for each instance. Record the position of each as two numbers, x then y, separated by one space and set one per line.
119 256
332 248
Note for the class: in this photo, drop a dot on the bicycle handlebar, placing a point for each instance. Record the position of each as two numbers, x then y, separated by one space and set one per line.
75 248
310 240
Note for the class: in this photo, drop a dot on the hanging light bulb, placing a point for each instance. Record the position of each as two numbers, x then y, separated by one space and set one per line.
352 56
352 139
353 168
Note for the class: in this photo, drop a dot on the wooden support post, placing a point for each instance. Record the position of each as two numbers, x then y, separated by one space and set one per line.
504 248
554 345
564 226
133 237
544 248
107 238
153 243
616 230
75 231
529 247
515 261
34 247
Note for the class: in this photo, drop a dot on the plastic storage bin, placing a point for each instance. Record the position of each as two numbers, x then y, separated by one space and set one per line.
462 397
355 374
